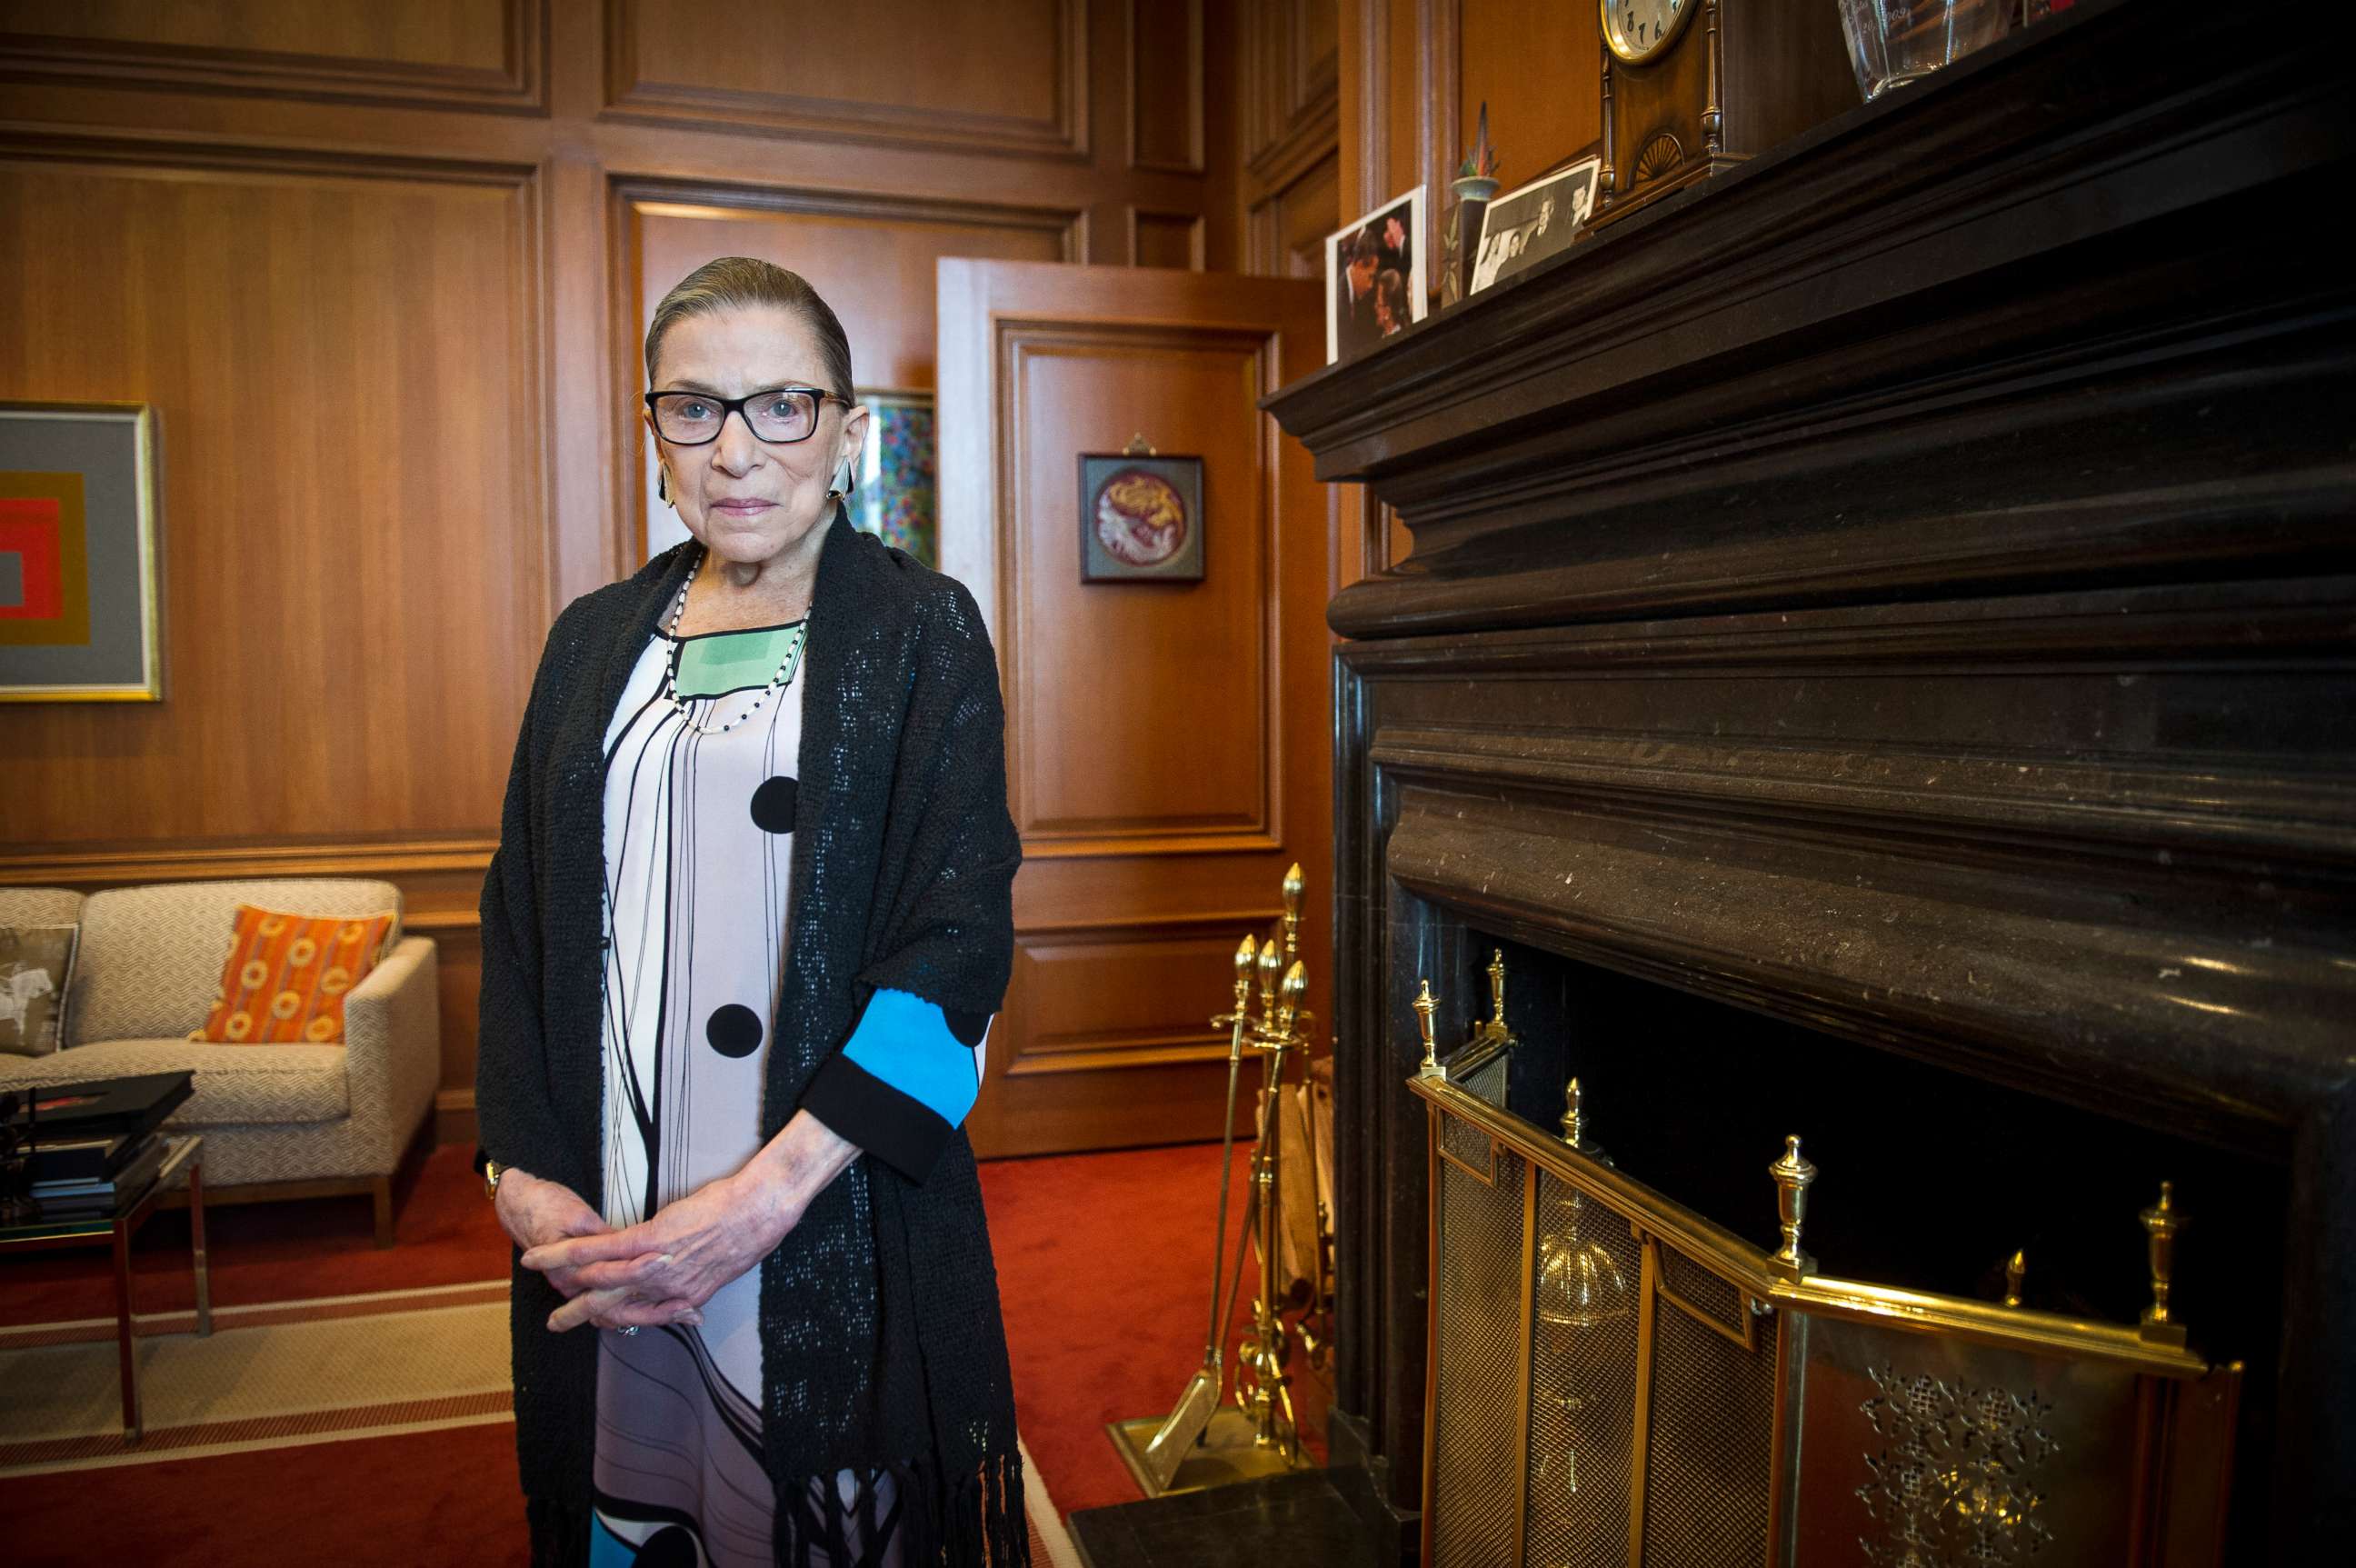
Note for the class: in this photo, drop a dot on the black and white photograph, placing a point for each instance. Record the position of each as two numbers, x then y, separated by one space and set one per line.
1373 276
1523 228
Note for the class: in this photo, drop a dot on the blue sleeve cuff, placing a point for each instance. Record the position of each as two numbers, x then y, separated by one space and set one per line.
902 1083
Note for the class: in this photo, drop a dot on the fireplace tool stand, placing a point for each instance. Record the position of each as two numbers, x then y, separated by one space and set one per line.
1203 1442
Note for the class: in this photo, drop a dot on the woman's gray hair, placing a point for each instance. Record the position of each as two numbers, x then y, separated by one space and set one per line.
738 283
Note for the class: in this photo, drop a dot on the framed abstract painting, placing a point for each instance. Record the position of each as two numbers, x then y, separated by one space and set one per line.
81 601
897 497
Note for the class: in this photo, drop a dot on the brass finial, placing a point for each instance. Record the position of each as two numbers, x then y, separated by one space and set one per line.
2161 1223
1247 959
1425 1006
1295 987
1794 1174
1292 888
1270 966
2015 1271
1574 1123
1497 991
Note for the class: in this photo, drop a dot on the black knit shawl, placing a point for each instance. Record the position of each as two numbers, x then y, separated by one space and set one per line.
882 1347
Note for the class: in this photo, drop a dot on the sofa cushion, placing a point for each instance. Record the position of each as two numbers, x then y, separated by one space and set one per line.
35 971
287 976
151 956
235 1085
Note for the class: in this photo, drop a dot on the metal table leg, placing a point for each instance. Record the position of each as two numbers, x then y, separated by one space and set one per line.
130 1432
197 1247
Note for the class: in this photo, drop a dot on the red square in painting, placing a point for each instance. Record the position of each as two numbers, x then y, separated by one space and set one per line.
29 531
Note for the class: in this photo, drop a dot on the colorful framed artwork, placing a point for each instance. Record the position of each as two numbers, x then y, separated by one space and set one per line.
1141 518
81 601
1375 276
897 497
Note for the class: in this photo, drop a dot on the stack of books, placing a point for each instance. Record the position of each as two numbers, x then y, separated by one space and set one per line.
95 1147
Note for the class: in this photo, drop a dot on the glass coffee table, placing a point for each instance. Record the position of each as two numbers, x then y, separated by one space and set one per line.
183 1153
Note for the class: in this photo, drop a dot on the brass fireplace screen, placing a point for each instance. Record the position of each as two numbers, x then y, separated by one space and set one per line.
1617 1380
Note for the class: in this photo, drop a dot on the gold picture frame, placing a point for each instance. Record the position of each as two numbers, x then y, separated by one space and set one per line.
81 569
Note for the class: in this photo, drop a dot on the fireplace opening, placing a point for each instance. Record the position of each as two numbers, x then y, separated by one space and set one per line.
1929 1178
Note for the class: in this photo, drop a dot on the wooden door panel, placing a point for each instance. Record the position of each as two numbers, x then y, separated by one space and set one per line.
1096 765
1167 742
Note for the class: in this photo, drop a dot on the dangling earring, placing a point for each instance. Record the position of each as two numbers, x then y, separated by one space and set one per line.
842 482
662 484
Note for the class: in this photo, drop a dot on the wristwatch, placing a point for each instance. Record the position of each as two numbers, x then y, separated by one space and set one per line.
492 1170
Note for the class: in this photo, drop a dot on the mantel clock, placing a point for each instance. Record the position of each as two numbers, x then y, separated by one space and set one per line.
1686 95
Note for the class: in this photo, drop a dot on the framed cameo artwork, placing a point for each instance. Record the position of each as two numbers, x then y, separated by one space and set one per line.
80 597
1141 518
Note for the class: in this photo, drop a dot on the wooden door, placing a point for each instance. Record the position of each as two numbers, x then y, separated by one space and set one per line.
1168 744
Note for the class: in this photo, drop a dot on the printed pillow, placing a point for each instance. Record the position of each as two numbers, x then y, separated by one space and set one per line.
287 976
36 967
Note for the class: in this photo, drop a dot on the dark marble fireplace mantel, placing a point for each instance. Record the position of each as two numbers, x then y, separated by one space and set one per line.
1905 587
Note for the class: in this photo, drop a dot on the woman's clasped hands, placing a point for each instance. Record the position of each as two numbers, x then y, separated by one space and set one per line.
662 1269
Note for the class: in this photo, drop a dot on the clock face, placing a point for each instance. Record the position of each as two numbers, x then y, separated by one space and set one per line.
1636 30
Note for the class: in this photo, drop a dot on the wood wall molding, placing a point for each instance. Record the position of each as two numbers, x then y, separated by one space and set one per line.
207 860
1292 80
1043 690
515 82
928 120
1166 239
1165 43
1128 998
1292 185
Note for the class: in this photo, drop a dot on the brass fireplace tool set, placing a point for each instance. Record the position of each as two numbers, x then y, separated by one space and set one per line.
1206 1442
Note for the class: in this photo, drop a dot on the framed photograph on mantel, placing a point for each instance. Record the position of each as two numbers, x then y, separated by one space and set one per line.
1375 276
81 606
1141 518
1523 228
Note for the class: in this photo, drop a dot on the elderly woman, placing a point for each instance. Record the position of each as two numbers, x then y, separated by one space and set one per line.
740 955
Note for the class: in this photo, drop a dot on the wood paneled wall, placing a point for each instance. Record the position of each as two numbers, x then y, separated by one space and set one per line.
1290 110
381 267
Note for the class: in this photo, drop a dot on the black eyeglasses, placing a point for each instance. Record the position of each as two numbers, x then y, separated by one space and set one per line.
780 414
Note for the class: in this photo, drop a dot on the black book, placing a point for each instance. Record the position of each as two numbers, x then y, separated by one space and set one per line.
83 1159
107 1106
103 1197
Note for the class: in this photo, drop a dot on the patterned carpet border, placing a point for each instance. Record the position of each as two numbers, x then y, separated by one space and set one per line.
147 1326
47 1455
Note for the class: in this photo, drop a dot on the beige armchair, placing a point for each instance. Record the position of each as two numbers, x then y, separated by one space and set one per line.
279 1120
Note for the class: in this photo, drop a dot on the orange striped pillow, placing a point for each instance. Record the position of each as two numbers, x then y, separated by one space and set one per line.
287 976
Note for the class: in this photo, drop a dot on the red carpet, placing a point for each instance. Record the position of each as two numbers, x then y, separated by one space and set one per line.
1103 1261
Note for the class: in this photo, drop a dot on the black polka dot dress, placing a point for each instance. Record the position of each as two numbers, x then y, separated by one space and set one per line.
700 801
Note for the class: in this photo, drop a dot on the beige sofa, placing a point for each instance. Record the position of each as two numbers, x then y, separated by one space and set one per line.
296 1120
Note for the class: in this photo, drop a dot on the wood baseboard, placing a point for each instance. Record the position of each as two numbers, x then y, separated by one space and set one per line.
453 1116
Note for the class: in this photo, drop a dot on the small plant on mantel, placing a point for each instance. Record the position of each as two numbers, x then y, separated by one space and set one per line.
1475 183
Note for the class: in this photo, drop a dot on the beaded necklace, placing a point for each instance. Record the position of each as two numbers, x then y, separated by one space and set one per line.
670 666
